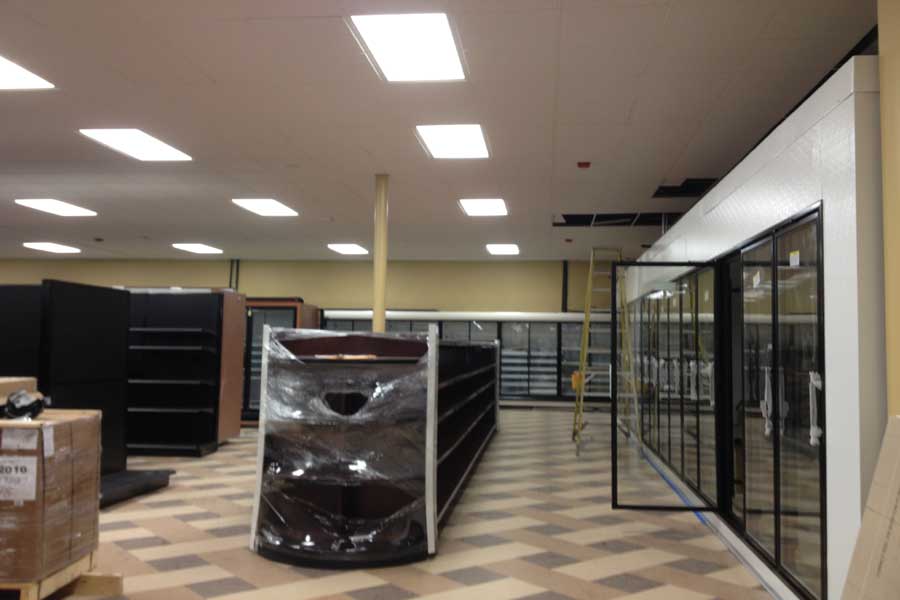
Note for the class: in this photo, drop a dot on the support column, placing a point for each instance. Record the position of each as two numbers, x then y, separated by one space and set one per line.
889 71
379 260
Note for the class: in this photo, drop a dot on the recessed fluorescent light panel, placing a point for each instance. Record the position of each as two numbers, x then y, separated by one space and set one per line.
265 207
14 77
51 247
197 248
55 207
136 144
503 249
411 47
453 141
347 248
484 207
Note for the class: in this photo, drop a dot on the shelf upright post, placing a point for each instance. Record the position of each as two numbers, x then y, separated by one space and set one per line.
431 419
261 438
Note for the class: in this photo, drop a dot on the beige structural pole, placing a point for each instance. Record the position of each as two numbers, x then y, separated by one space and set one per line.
379 259
889 67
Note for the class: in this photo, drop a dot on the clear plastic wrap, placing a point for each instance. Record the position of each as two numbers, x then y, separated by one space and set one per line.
343 443
49 493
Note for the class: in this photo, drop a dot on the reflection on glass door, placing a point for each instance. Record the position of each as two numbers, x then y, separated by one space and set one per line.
691 432
801 404
706 388
514 359
676 404
759 395
665 361
542 367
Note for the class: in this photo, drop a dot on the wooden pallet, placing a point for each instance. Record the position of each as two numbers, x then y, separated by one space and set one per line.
76 579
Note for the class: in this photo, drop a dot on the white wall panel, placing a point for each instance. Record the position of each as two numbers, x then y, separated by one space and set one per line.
828 152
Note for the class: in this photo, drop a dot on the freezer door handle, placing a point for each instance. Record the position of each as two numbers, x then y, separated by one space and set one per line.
815 432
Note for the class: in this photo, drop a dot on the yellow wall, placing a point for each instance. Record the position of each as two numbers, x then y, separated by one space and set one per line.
131 273
889 67
450 285
446 285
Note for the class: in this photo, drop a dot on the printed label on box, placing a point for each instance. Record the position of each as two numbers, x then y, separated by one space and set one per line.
49 442
18 439
18 478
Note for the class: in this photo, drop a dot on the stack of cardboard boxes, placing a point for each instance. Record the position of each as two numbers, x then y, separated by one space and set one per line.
49 489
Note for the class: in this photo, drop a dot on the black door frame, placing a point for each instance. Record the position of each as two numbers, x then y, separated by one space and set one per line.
614 384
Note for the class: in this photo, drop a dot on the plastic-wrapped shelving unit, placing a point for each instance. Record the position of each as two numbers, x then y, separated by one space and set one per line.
366 442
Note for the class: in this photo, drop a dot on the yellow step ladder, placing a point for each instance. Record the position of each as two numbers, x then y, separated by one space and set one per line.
597 299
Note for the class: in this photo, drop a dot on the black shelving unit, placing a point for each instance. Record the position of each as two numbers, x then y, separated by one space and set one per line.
466 418
176 376
73 339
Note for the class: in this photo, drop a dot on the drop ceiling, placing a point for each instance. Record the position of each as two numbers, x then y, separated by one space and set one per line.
275 99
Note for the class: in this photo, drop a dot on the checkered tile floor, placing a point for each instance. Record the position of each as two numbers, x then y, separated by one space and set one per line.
534 523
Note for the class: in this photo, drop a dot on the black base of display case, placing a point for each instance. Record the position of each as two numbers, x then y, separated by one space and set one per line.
198 450
124 485
396 558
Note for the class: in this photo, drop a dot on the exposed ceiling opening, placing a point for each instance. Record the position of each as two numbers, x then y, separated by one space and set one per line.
648 219
689 188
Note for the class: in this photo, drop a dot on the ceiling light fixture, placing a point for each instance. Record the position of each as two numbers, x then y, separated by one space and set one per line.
136 144
197 248
411 47
347 248
453 141
51 247
14 77
265 207
55 207
503 249
483 207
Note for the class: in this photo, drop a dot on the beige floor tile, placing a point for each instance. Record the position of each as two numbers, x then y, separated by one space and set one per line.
113 559
617 564
567 585
174 531
118 535
145 513
488 527
607 532
417 581
668 592
174 593
739 575
491 505
225 521
501 589
340 583
551 544
443 563
169 579
211 545
252 568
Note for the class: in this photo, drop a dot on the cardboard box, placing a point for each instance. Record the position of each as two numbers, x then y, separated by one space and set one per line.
49 492
874 574
9 385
